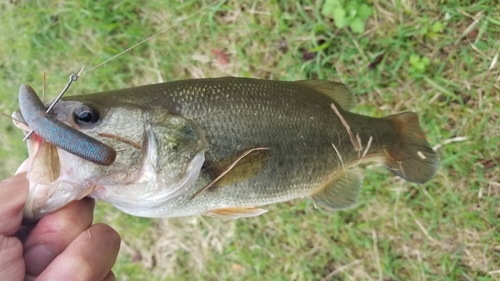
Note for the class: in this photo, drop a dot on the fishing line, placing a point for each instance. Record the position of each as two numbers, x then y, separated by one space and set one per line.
154 35
74 77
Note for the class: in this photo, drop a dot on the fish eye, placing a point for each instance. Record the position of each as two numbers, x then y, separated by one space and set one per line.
85 115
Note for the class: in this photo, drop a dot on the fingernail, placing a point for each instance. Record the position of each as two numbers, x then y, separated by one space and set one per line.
37 258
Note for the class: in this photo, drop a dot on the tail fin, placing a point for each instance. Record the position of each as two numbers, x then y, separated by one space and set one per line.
411 157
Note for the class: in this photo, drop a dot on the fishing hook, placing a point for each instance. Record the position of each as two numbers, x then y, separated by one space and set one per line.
72 78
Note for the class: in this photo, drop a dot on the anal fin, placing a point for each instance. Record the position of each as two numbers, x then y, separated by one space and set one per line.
340 192
235 212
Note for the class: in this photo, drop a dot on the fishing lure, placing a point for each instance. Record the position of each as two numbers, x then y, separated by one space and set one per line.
58 133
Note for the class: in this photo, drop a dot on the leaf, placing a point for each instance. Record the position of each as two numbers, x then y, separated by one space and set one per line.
320 47
364 11
339 17
423 30
357 26
419 64
222 56
483 46
414 59
351 8
437 27
426 61
329 6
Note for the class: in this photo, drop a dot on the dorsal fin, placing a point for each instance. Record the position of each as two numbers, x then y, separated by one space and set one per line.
334 90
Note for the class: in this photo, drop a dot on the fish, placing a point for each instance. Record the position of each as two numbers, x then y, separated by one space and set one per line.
221 147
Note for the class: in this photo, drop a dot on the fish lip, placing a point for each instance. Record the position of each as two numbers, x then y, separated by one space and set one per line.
33 205
19 122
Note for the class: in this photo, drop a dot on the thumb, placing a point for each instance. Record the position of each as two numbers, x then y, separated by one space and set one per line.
14 193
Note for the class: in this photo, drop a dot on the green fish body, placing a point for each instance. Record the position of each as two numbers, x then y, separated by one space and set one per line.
225 146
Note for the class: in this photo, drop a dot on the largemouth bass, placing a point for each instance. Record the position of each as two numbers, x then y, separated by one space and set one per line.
221 147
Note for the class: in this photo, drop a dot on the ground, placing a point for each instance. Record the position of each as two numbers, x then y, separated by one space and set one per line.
437 59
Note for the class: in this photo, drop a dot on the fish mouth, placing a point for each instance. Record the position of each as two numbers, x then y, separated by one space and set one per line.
49 188
43 163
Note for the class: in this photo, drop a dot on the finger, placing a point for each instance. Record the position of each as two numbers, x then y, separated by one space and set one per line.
14 193
15 190
110 277
90 257
11 258
54 232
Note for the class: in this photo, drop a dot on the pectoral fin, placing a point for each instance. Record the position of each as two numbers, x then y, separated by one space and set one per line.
236 212
235 169
238 167
340 192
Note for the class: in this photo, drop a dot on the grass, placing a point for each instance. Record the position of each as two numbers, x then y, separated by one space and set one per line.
438 59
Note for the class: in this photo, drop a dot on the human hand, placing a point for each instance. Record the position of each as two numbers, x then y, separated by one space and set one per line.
63 245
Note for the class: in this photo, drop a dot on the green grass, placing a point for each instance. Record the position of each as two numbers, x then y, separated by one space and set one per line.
440 60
